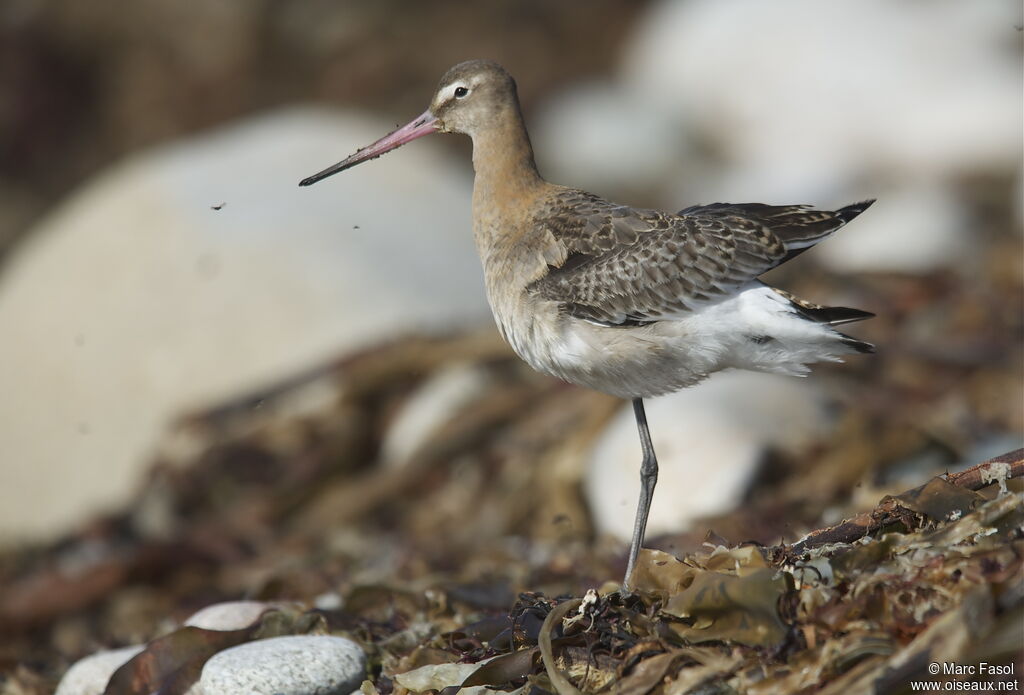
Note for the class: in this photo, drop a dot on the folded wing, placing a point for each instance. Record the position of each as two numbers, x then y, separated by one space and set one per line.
626 266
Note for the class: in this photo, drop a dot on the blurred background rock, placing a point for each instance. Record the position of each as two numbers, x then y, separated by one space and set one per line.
129 300
158 258
215 385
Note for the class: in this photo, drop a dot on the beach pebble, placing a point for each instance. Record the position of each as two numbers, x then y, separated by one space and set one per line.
229 615
430 407
293 665
89 676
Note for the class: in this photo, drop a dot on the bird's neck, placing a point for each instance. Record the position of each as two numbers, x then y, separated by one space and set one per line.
506 188
503 162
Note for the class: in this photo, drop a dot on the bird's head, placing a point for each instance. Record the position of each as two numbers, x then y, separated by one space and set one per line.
471 97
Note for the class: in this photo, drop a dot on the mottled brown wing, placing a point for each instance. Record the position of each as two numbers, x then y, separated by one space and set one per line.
626 266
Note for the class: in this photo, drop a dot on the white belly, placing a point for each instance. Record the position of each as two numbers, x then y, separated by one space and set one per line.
662 357
626 362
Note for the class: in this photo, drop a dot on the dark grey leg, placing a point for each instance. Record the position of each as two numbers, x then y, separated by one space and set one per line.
648 479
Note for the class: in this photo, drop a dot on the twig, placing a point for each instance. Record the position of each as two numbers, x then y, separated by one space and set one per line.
977 477
889 511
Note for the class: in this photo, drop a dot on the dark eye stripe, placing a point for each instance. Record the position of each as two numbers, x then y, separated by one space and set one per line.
461 92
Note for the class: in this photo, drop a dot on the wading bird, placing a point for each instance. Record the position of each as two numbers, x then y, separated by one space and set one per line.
632 302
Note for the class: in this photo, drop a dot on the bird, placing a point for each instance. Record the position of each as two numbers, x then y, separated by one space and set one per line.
628 301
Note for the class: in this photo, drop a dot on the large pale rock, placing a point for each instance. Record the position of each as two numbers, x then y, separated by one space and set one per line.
135 301
912 228
603 137
801 90
799 101
709 440
293 665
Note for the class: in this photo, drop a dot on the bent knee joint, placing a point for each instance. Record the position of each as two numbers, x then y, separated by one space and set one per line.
649 468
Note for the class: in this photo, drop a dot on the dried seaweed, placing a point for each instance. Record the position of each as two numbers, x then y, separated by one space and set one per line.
443 568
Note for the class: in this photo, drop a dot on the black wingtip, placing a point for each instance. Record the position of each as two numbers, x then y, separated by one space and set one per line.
848 212
835 315
858 345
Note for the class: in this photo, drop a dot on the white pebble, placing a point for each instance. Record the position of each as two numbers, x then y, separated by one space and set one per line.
294 665
229 615
428 409
89 676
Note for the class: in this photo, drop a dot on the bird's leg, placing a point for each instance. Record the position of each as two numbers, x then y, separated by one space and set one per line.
648 479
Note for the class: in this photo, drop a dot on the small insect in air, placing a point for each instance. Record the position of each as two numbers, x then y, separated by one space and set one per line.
218 206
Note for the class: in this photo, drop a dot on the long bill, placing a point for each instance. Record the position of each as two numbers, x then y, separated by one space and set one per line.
424 125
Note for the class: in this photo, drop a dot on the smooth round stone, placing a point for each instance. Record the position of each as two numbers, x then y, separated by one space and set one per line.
205 304
89 676
228 615
294 665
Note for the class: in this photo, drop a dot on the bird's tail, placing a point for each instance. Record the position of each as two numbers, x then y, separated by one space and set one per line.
832 316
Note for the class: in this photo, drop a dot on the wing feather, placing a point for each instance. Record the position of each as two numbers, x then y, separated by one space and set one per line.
626 266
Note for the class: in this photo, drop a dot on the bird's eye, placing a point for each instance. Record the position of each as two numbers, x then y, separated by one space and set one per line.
461 92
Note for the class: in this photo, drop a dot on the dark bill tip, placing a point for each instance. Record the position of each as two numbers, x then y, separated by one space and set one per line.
425 124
